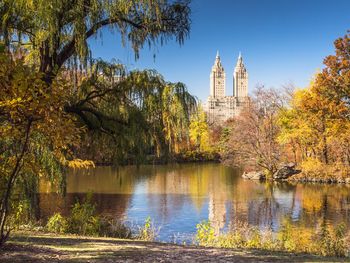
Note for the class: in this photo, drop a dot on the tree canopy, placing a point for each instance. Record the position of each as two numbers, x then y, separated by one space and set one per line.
55 33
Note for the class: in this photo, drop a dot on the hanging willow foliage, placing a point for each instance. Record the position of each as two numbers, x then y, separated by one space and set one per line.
130 115
53 32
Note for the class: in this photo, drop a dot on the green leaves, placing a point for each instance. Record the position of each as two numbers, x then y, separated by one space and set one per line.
57 31
2 48
138 113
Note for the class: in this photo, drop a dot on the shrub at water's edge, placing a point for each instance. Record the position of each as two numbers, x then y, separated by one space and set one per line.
147 232
57 224
83 220
325 241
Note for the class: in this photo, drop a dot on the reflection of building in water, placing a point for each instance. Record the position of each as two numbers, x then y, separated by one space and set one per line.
217 212
217 201
169 189
242 192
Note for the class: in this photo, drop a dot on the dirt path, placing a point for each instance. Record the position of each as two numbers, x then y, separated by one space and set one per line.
48 248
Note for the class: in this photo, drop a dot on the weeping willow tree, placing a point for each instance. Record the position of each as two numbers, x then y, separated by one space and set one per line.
54 36
55 33
130 115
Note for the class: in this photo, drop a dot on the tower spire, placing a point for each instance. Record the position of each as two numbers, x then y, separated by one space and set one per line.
240 60
217 78
240 78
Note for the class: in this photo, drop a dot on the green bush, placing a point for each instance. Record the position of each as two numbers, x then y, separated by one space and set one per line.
20 214
147 232
83 220
286 238
57 224
205 234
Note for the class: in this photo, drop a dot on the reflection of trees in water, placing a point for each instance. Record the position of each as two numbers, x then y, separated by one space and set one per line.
307 205
263 212
259 203
268 210
165 193
328 203
111 187
114 205
170 189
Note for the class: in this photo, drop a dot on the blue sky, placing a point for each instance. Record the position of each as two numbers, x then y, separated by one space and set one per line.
282 41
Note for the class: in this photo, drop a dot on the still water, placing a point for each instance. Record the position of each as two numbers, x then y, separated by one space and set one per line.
177 197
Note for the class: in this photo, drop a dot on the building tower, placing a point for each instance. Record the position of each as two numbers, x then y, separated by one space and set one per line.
217 79
240 79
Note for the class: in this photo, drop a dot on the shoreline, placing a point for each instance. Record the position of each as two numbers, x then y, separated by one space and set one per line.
160 162
44 247
345 181
292 179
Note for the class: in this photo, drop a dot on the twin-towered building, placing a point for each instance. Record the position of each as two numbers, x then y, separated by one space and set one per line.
220 107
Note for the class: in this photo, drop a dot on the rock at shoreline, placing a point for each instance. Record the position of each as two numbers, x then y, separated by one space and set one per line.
254 175
285 171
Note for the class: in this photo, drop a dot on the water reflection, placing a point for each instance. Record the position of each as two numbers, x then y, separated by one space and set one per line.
177 197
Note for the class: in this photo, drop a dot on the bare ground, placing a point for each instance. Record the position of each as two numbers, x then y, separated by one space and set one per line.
29 247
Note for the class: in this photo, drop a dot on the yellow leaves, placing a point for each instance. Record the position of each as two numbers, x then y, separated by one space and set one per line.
81 164
199 130
316 120
11 102
24 96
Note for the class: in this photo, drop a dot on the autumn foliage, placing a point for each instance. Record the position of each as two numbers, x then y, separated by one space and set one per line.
310 126
316 126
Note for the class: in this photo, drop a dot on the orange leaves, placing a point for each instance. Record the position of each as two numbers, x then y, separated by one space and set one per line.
320 120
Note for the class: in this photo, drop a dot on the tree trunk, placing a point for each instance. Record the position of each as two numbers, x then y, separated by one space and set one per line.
4 208
325 150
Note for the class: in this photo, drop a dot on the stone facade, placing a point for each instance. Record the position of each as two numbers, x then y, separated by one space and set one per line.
217 79
220 107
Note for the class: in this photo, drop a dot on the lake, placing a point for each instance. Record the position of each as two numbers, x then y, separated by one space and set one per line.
177 197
